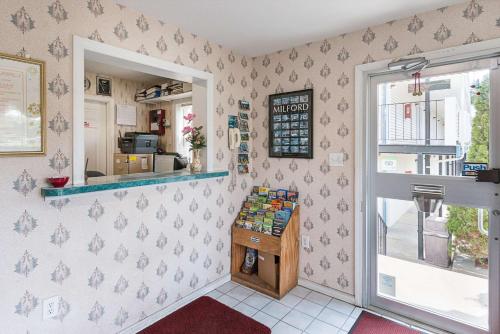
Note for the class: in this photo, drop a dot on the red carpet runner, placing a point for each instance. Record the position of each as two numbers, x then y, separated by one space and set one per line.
206 316
368 323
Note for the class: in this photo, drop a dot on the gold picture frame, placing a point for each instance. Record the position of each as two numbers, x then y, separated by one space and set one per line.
22 106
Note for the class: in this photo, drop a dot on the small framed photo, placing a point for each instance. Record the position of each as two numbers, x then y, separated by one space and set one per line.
103 86
244 147
243 159
243 125
243 169
245 136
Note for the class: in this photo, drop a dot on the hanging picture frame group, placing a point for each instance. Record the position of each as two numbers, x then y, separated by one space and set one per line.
290 124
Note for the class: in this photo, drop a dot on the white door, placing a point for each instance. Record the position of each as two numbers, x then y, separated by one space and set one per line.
95 136
440 268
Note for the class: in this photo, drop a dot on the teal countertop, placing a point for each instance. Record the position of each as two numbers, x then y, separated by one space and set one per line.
104 183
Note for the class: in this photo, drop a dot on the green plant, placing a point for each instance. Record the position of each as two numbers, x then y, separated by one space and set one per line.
463 222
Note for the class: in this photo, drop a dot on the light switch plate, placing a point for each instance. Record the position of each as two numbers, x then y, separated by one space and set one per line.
305 242
50 307
336 159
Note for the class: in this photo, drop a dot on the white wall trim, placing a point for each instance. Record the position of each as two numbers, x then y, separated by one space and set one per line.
138 326
108 54
327 291
362 73
110 127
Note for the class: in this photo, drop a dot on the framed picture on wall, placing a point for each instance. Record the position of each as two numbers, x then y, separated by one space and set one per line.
290 125
22 106
103 86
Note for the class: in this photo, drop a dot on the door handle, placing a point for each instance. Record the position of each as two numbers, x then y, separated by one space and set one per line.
491 175
496 213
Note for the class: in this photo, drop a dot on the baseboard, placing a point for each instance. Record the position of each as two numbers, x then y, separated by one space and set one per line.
140 325
327 291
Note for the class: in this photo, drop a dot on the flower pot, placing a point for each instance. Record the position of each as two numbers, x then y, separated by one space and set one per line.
196 165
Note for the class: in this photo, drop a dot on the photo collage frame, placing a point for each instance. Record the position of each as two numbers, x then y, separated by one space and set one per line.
290 124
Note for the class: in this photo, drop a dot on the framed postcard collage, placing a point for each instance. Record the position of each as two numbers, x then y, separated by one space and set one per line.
290 125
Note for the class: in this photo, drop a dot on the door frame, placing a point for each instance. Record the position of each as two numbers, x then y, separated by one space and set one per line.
109 102
203 91
363 73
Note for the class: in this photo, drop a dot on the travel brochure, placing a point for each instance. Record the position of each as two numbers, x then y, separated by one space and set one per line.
290 124
267 211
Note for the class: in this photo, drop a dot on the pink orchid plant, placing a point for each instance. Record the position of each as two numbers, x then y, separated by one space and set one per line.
193 134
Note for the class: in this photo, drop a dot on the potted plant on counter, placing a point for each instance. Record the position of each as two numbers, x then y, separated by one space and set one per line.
197 141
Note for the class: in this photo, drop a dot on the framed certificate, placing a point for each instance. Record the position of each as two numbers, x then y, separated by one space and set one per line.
22 106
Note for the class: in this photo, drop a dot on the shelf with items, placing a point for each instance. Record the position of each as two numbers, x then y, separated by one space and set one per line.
166 98
168 91
281 249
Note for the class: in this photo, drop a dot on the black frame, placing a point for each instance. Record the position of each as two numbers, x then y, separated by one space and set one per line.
98 87
271 122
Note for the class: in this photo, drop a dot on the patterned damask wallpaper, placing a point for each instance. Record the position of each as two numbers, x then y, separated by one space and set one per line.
114 257
328 67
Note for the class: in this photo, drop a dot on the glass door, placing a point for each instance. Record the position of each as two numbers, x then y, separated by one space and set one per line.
433 230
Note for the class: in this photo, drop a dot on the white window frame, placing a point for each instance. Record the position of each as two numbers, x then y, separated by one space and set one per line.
177 107
203 82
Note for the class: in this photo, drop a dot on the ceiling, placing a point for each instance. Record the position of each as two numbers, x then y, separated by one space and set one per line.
256 27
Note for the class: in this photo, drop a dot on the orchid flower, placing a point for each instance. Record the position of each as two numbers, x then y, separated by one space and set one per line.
189 117
187 130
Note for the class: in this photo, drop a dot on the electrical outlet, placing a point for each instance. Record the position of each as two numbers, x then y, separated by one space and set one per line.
305 241
51 307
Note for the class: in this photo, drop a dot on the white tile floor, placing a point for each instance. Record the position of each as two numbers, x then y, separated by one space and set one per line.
300 311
